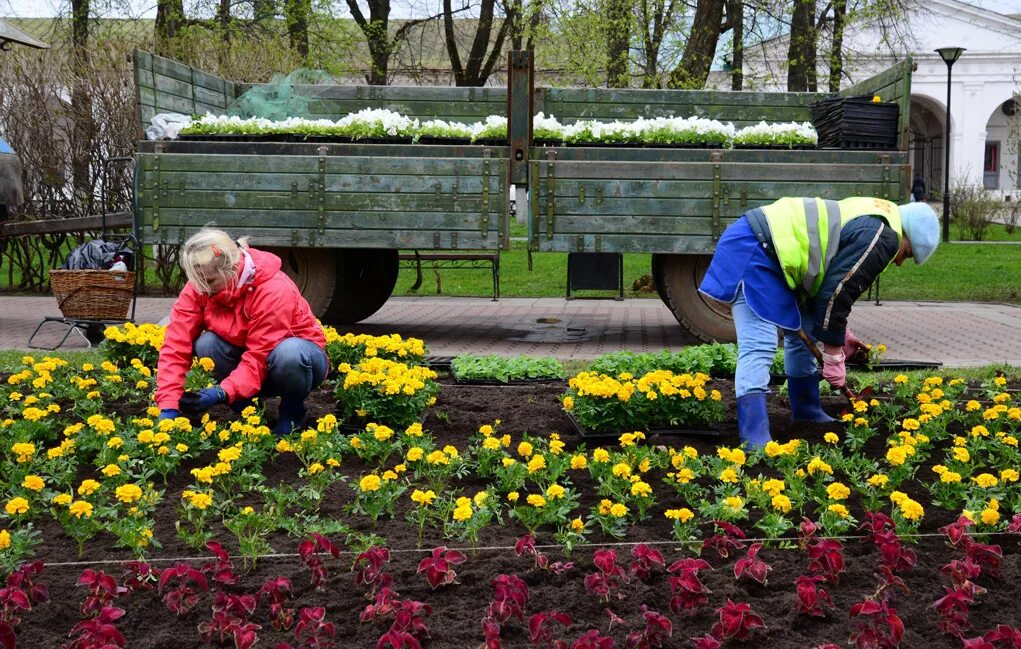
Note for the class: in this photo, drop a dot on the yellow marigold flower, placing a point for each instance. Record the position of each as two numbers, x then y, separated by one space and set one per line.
734 502
896 455
684 476
816 464
683 514
491 444
80 508
87 487
536 464
450 451
525 449
961 454
729 476
16 506
839 510
334 462
641 489
577 525
370 482
579 461
556 447
600 455
878 480
509 461
950 477
1009 475
910 424
283 446
831 438
382 433
462 513
990 516
207 364
897 497
513 497
62 499
315 468
985 480
437 457
781 503
24 451
389 475
618 510
5 539
423 498
838 491
555 491
911 510
356 442
979 431
33 482
535 500
568 403
773 486
644 465
415 453
621 470
200 500
900 378
604 507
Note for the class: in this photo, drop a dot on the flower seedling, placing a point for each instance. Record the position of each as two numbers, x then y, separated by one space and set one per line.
438 567
812 600
221 570
646 560
953 608
310 550
726 540
526 545
592 640
877 625
882 532
751 566
103 589
1009 636
608 578
231 621
277 592
369 566
313 631
658 629
98 632
509 599
182 584
542 629
688 594
826 558
140 576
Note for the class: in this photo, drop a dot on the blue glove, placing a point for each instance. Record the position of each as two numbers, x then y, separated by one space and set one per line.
169 413
194 403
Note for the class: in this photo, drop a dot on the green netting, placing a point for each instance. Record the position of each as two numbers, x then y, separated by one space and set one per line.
281 98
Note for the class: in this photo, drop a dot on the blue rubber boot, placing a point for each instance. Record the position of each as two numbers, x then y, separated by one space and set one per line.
804 395
238 406
753 420
292 415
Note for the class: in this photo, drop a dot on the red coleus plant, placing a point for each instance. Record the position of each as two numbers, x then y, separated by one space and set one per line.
726 539
954 608
510 594
877 625
1002 637
658 629
542 629
103 589
438 567
20 594
231 621
526 545
988 557
98 632
276 592
887 582
806 533
369 569
220 570
645 561
310 552
826 558
24 578
313 631
182 585
812 600
591 639
688 594
751 566
408 628
609 576
140 576
961 571
736 621
883 533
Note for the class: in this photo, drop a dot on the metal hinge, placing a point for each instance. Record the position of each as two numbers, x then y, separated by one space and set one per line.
322 191
533 200
717 190
486 179
156 193
551 183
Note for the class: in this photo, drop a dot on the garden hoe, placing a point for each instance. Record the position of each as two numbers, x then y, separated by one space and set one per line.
845 389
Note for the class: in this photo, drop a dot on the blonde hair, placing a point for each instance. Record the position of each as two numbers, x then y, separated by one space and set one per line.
213 251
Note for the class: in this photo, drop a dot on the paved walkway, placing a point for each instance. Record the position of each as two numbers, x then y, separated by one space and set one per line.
955 334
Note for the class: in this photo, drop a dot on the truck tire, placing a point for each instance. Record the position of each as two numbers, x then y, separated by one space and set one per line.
365 279
314 270
704 317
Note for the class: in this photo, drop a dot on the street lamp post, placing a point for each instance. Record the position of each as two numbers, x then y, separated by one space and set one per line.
949 56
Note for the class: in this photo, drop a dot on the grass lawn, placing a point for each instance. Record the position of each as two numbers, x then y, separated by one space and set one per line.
958 272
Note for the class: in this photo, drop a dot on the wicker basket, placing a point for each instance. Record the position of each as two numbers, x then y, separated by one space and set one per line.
93 294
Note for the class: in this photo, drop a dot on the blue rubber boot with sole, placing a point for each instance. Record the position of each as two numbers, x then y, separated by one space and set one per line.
753 420
292 416
804 395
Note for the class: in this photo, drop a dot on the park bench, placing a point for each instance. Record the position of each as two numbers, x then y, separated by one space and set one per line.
452 260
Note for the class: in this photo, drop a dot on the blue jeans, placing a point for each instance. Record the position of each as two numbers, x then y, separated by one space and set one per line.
295 366
756 346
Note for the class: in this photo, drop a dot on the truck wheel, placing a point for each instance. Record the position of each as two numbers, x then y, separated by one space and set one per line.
365 280
657 275
314 270
704 317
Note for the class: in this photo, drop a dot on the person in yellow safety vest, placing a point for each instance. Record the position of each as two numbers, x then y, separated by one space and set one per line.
801 263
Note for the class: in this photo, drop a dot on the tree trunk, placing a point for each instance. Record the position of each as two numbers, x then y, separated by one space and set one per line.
801 53
701 48
376 30
476 70
837 50
617 28
263 10
297 13
735 16
81 105
169 18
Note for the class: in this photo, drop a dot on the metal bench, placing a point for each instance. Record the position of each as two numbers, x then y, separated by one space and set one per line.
452 260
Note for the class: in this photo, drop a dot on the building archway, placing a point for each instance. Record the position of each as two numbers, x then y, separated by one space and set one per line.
926 130
1002 156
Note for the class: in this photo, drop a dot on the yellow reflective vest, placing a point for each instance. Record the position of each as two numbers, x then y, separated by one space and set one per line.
806 233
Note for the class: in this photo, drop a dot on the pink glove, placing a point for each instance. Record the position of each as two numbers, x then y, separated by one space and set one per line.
853 345
833 371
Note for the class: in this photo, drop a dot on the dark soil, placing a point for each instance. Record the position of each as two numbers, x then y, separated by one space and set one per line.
458 609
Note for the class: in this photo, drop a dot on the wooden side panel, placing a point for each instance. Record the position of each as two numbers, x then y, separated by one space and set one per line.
323 201
163 85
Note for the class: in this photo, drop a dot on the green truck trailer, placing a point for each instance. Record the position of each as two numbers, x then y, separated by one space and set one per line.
338 213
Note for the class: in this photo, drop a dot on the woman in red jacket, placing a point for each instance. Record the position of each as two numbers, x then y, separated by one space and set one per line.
239 309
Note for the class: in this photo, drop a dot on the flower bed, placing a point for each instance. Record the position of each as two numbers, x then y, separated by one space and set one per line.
930 450
501 370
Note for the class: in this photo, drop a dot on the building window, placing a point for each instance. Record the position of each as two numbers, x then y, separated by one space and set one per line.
991 166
